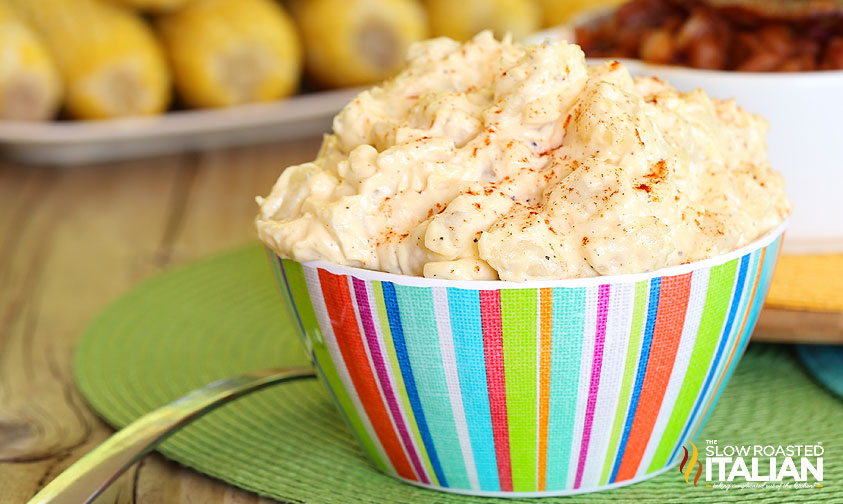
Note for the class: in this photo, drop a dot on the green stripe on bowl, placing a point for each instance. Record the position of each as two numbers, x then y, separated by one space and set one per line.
298 289
632 351
519 311
720 282
389 344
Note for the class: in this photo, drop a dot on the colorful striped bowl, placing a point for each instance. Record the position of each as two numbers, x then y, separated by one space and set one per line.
528 389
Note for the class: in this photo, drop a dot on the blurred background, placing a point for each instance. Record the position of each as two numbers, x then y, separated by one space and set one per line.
92 81
101 59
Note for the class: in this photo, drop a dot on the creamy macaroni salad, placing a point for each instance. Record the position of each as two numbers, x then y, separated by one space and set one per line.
489 160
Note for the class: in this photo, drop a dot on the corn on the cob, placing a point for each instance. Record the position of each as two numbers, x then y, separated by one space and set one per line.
354 42
557 12
110 61
225 52
463 19
153 5
30 88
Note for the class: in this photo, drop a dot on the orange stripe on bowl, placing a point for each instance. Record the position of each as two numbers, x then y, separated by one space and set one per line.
546 321
344 323
673 303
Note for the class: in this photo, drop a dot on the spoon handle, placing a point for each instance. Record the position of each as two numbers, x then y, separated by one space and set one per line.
91 474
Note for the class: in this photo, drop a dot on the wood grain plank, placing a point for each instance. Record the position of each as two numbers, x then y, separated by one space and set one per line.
164 482
776 325
79 238
75 239
220 207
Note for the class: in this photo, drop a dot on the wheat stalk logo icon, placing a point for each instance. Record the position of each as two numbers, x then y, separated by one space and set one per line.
691 464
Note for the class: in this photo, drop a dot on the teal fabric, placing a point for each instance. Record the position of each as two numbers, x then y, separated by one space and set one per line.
825 364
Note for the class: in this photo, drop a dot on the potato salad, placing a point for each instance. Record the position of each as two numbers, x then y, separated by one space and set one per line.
492 160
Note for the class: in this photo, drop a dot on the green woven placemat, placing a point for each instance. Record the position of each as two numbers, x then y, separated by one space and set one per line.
223 316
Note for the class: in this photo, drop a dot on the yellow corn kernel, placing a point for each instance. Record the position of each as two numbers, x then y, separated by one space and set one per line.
153 5
464 19
30 87
355 42
557 12
110 61
225 52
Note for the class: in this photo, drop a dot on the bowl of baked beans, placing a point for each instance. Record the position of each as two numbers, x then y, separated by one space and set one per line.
734 35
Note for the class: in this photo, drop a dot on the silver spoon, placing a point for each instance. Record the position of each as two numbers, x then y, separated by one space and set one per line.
91 474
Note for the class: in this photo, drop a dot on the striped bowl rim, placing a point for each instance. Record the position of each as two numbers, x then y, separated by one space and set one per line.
365 274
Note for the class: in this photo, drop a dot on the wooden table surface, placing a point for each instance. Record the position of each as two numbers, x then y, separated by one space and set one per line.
73 240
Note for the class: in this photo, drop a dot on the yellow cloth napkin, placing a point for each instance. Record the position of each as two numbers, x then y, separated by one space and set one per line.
808 282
